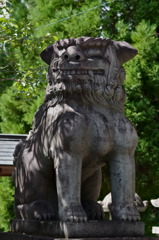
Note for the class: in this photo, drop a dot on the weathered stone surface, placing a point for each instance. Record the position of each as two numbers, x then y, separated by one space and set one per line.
16 236
90 229
79 128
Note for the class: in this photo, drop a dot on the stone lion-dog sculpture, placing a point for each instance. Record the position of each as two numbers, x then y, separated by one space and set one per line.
78 129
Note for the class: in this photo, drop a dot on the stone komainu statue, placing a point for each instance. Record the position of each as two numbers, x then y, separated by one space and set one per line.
80 127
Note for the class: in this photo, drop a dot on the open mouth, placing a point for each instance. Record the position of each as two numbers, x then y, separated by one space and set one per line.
79 72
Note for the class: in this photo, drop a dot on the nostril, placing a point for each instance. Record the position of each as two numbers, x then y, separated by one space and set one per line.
66 57
77 57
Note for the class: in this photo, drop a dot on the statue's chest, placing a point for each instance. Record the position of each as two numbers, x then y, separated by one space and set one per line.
99 133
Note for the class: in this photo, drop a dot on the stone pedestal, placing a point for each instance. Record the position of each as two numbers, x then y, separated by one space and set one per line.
18 236
90 229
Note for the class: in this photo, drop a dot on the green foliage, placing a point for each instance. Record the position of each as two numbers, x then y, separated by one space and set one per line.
142 106
17 108
129 13
6 203
21 63
61 20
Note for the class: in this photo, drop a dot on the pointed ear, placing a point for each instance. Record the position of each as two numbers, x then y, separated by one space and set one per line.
46 55
124 51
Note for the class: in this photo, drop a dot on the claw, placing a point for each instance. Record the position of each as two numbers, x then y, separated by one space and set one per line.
76 219
124 217
127 213
38 217
49 216
44 216
130 218
85 219
81 219
136 218
74 213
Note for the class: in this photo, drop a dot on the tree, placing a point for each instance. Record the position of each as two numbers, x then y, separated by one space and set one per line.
127 14
6 200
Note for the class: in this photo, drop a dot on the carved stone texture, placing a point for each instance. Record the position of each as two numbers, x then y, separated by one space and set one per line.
89 229
21 236
80 127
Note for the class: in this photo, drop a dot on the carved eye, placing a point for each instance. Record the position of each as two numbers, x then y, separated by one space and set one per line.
94 53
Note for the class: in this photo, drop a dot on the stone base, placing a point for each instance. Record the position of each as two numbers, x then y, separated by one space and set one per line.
18 236
90 229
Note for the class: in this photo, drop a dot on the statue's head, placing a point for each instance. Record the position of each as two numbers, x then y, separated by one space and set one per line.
89 67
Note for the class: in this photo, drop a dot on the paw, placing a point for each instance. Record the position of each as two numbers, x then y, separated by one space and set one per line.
42 211
127 213
93 209
74 213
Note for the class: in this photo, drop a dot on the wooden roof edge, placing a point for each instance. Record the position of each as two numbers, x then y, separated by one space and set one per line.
6 171
11 136
6 165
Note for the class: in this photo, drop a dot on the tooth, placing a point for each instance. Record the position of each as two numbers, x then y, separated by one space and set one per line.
108 88
78 87
72 71
81 72
90 72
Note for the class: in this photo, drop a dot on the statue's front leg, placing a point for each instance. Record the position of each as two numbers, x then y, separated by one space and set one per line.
68 182
122 171
68 155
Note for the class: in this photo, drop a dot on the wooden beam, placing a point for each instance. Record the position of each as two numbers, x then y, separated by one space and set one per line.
6 171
